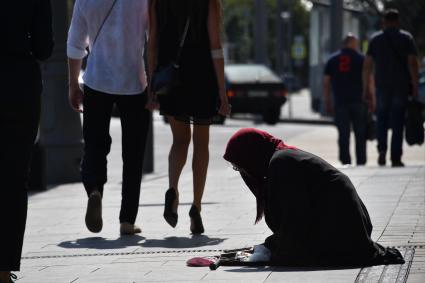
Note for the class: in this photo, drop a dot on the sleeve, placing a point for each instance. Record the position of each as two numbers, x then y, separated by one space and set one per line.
41 33
146 20
78 38
412 49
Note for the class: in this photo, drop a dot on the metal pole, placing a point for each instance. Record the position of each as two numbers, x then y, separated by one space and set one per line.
289 45
336 24
60 131
260 32
279 42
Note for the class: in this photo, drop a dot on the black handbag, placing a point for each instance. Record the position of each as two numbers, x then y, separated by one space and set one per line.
167 78
414 123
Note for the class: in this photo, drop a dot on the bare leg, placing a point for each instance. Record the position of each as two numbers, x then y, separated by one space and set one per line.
200 161
178 152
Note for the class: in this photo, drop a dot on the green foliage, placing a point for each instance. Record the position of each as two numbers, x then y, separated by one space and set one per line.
238 26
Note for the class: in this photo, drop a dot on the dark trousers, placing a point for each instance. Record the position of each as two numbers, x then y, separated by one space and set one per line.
391 112
135 120
355 115
19 119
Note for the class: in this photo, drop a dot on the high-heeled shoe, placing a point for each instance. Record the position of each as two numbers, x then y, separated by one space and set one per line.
196 226
169 215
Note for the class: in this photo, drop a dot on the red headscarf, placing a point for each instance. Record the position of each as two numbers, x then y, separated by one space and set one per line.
250 150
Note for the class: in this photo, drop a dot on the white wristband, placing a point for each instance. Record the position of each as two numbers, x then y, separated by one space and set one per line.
217 54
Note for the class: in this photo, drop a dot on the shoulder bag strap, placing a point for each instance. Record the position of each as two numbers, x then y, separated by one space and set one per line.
183 39
399 58
103 23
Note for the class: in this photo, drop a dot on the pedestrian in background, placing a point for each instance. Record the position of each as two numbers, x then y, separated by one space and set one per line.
27 37
201 94
115 75
392 54
343 73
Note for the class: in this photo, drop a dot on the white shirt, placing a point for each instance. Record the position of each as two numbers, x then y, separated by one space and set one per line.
115 64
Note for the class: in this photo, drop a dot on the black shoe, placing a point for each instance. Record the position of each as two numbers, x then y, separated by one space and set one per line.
196 226
381 159
94 212
169 215
397 163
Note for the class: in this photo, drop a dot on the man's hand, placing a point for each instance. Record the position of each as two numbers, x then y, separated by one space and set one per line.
75 97
75 94
328 106
327 94
369 99
415 91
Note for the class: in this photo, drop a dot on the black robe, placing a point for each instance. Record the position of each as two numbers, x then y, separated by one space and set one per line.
316 215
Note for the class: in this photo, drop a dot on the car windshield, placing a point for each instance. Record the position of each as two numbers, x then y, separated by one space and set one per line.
251 73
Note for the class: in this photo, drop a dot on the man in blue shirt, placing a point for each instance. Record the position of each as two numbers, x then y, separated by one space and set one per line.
343 71
393 55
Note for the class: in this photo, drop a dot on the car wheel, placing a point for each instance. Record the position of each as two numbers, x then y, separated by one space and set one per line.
272 116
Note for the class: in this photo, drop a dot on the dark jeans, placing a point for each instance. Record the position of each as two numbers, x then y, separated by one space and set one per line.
135 120
354 114
19 119
391 112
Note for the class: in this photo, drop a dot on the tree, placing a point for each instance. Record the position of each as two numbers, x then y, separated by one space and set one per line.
238 27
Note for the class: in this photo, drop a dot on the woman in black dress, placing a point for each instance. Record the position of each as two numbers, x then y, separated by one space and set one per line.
201 95
313 209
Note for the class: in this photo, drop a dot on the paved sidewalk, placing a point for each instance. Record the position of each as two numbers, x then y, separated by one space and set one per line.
58 247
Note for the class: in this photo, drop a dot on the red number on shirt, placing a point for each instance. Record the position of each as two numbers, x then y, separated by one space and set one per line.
344 63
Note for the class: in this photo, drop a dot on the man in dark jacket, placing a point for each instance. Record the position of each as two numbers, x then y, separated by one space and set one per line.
343 72
392 54
26 39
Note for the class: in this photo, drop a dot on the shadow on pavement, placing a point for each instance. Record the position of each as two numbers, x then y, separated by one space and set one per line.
183 242
102 243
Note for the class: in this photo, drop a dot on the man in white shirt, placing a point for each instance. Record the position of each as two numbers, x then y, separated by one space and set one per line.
115 33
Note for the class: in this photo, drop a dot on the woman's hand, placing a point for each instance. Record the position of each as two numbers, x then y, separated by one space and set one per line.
152 103
225 107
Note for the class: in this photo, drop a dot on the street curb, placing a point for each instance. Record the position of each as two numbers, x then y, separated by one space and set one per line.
307 121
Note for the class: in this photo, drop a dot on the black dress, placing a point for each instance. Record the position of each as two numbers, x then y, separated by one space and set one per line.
197 99
316 216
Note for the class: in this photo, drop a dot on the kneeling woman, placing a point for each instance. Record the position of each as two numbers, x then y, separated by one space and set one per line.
313 209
